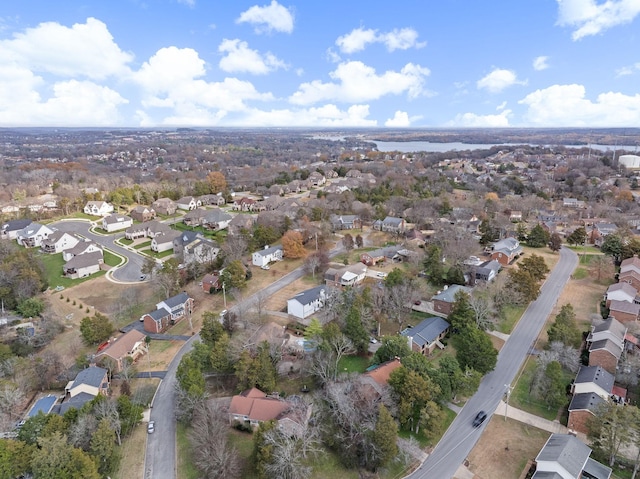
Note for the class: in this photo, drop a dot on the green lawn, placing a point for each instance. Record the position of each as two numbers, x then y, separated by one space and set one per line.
353 364
112 259
53 264
186 469
146 244
124 241
512 315
522 399
207 233
428 438
153 254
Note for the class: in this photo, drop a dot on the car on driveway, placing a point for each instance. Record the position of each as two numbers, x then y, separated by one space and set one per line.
151 427
479 419
381 275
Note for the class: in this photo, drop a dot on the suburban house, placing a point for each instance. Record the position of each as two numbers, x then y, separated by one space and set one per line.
116 222
564 456
164 241
349 275
33 235
621 292
87 385
81 248
606 343
164 206
390 224
59 241
630 271
10 229
211 283
215 200
624 311
188 203
506 251
267 255
130 345
488 270
244 204
390 253
216 219
316 178
194 217
148 229
83 265
200 250
142 213
573 203
593 379
168 312
345 222
98 208
252 407
425 336
44 405
582 408
600 231
241 222
306 303
443 301
378 376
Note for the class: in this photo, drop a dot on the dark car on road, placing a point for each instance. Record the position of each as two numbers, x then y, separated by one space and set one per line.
479 419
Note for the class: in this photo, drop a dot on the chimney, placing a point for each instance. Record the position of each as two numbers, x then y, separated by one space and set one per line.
266 246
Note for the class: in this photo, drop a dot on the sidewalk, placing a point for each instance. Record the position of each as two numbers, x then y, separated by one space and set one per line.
533 420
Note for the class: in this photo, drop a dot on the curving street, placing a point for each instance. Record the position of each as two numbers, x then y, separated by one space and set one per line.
128 272
456 444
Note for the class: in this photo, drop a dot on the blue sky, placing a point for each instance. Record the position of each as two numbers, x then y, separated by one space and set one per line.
310 63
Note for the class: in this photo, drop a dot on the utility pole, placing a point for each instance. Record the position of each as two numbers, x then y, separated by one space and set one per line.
506 409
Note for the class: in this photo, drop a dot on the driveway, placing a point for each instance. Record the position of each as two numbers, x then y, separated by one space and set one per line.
127 273
456 444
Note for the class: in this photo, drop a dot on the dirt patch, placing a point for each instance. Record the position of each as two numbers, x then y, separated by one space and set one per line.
160 355
504 449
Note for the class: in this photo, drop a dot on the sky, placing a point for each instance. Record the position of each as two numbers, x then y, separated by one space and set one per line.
320 64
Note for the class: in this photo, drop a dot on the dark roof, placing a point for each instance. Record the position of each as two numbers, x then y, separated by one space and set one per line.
268 251
585 401
427 331
186 237
546 475
177 300
596 375
566 450
608 345
310 295
610 324
76 402
84 260
158 314
597 470
15 225
449 295
44 404
91 376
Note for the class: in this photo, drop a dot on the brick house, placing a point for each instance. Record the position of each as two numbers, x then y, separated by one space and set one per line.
443 301
606 343
349 275
130 345
630 271
624 311
425 336
167 313
252 407
143 213
164 206
506 251
582 408
621 292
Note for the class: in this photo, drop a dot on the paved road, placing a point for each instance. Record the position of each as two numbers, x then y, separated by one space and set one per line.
456 444
160 458
130 271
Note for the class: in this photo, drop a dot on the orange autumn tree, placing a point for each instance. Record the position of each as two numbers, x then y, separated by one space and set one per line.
292 245
217 182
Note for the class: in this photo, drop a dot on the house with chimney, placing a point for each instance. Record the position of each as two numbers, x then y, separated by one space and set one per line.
188 203
142 213
98 208
506 251
167 313
426 336
444 300
606 343
267 255
83 265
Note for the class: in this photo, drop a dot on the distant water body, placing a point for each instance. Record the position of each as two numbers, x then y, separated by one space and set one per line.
414 146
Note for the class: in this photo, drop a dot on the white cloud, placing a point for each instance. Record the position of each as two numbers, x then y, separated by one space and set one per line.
540 63
590 18
188 3
240 58
356 82
566 105
72 103
473 120
85 49
171 79
358 39
501 106
498 80
328 115
400 119
628 70
273 17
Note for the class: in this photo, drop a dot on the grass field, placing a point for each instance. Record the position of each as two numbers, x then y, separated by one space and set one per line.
353 364
186 469
53 264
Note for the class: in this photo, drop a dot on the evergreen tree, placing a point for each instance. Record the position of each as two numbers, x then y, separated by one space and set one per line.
577 237
555 242
475 350
462 315
391 347
538 237
384 438
103 448
355 330
565 328
433 264
262 452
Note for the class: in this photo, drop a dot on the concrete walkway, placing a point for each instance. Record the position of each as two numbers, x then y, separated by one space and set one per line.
500 335
533 420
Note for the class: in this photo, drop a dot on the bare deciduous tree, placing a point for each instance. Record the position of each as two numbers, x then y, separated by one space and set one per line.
214 457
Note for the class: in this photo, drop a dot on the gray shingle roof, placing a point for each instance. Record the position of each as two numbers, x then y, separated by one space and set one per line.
268 251
597 470
84 260
546 475
76 402
608 345
310 295
158 314
611 324
176 300
449 295
568 451
427 331
91 376
596 375
585 401
15 225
